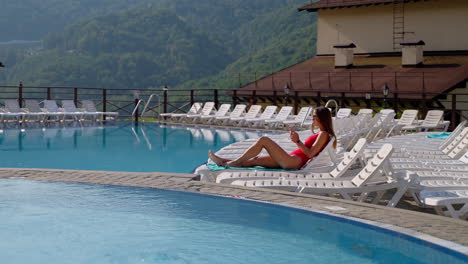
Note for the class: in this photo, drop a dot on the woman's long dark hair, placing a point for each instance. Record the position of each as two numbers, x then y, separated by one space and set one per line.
325 118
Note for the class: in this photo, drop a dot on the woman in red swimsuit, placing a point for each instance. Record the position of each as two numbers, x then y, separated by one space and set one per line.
278 157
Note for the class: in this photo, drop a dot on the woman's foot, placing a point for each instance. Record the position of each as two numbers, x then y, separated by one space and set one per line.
216 159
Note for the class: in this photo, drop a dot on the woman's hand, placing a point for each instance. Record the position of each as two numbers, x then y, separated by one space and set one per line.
294 136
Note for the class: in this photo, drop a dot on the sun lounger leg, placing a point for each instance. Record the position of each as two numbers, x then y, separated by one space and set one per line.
397 196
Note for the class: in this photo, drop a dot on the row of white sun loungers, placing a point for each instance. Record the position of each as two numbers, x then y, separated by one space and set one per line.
274 118
433 171
50 111
253 118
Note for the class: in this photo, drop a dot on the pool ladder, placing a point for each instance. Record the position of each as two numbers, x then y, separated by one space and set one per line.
337 107
141 102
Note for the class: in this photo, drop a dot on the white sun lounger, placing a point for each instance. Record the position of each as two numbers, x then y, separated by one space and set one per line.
445 202
90 107
267 114
419 141
343 113
194 109
52 108
13 111
282 115
367 181
236 112
207 109
431 121
309 173
41 114
365 111
222 111
253 112
79 114
300 118
325 160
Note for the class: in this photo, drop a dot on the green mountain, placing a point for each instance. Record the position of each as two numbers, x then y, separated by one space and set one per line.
133 49
271 42
180 43
32 19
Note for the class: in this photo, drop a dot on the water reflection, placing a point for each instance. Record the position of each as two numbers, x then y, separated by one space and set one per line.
124 147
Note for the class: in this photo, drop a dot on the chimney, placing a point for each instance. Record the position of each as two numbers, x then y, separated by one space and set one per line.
344 55
412 53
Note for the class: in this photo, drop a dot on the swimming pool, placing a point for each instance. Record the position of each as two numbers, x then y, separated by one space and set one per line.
85 223
123 147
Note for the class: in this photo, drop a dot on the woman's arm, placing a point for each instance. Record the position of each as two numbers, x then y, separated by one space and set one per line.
319 143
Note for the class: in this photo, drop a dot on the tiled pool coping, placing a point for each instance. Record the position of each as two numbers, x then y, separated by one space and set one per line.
440 230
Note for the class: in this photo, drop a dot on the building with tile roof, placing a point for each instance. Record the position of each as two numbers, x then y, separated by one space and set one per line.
419 48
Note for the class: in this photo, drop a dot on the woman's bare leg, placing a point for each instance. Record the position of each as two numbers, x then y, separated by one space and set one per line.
217 159
277 154
265 161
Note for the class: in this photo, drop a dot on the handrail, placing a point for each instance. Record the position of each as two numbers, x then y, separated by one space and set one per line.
148 102
136 107
336 104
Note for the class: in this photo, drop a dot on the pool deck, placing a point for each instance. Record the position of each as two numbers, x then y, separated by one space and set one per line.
406 221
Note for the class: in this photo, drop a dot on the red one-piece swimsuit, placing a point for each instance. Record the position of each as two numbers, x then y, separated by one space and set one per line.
308 143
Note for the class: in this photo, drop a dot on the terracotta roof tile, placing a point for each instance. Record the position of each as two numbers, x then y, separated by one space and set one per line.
369 74
322 4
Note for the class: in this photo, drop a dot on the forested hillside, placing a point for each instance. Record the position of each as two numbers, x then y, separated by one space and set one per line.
137 48
33 19
149 43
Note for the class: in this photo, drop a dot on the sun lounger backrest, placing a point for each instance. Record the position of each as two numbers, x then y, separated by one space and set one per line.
238 110
284 112
464 158
33 106
375 120
327 157
207 108
349 158
408 117
12 106
365 111
303 113
374 165
385 112
89 106
432 118
51 106
253 111
269 112
343 113
453 135
463 134
195 108
223 110
459 149
386 119
69 106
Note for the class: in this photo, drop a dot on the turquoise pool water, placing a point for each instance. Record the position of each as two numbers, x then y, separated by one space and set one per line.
122 147
83 223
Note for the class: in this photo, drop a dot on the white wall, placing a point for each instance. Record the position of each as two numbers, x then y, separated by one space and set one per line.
441 24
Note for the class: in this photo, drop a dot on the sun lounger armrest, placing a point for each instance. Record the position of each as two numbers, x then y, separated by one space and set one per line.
407 176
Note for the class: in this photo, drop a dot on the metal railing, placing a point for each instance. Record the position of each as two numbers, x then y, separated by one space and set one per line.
337 80
125 101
